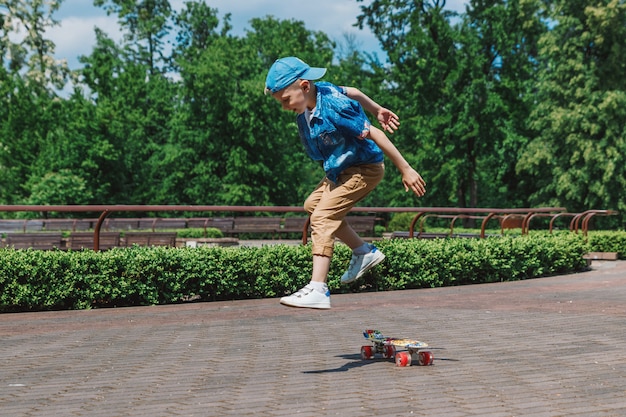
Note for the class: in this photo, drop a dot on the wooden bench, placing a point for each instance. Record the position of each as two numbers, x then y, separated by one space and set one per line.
512 221
363 225
42 241
225 224
150 239
256 225
69 224
11 225
84 240
20 225
162 223
120 224
294 224
603 256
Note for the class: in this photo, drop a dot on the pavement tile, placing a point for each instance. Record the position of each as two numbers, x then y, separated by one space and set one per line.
544 347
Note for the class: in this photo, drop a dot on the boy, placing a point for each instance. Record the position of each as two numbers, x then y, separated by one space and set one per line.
335 131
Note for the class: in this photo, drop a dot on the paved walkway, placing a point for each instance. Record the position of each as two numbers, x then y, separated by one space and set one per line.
545 347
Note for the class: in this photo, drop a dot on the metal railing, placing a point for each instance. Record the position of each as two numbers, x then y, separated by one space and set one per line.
106 210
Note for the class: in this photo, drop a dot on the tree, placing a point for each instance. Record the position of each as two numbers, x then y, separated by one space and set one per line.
421 47
19 137
61 187
462 89
235 145
197 26
576 158
29 75
27 21
498 52
146 25
131 118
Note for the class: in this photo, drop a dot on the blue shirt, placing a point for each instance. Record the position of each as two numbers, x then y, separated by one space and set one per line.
336 134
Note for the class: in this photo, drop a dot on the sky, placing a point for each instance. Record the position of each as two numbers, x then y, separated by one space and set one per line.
78 18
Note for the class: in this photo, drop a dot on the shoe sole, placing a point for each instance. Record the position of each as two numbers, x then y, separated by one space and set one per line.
315 306
367 268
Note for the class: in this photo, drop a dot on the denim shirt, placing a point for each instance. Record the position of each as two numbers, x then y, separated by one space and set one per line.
336 133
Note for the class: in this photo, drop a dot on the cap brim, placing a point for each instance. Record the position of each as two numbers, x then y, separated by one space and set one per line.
313 74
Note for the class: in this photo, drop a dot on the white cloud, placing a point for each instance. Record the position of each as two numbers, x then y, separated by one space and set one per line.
76 36
78 18
456 5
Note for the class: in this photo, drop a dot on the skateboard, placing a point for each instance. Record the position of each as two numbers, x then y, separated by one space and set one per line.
387 347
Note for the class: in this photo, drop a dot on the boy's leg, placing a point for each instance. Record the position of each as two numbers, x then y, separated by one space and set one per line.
364 255
347 235
321 266
328 205
363 259
315 294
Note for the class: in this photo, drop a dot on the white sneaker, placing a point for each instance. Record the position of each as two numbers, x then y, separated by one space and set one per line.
307 297
360 264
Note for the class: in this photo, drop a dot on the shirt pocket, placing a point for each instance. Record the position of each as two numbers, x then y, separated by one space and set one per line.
330 137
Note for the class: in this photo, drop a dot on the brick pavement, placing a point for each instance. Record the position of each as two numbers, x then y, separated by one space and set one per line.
542 348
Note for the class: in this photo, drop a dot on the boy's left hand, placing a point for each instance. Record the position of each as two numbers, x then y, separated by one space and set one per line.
388 120
414 182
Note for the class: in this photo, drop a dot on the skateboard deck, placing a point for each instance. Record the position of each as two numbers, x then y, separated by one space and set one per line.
387 346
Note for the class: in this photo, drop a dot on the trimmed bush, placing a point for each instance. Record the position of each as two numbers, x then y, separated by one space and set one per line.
43 280
604 241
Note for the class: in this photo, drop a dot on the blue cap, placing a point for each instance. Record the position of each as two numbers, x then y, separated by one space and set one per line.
286 71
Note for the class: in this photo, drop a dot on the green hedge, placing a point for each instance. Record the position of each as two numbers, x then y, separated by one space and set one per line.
41 280
605 241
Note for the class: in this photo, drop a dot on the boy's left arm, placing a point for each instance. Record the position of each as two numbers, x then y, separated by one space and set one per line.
411 179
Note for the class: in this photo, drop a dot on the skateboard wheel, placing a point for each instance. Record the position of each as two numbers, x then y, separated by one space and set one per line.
403 359
425 357
367 352
389 351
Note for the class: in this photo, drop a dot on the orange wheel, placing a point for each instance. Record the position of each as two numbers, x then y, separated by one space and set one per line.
425 357
367 352
389 351
403 359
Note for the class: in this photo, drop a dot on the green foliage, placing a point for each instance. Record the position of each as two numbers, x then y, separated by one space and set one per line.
509 104
401 221
43 280
379 229
576 156
445 262
604 241
210 232
30 54
464 88
59 188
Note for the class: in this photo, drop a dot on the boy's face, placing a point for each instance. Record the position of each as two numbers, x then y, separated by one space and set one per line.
294 97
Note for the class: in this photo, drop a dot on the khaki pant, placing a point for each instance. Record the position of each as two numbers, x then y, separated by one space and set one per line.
329 203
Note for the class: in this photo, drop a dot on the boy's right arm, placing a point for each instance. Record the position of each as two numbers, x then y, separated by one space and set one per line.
387 119
411 179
